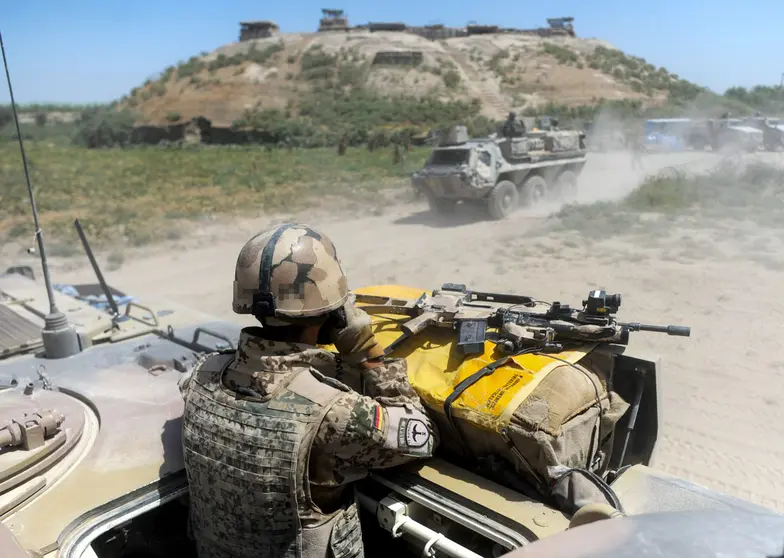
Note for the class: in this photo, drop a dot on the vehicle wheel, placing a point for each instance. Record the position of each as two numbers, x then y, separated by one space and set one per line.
442 206
533 191
566 184
503 200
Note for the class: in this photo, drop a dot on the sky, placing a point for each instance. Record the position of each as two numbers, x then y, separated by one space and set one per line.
84 51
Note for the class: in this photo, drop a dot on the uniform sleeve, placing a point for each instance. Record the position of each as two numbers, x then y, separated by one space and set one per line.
388 384
361 434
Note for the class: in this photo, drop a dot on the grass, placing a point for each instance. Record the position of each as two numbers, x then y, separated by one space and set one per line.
753 193
139 195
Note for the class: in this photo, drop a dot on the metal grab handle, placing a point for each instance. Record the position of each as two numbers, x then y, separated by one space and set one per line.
155 322
200 330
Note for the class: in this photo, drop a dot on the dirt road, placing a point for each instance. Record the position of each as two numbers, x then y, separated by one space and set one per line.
723 387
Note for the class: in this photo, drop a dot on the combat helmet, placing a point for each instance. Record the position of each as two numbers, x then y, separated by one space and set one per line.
291 271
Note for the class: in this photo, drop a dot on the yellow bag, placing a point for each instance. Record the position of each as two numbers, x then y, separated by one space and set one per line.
434 368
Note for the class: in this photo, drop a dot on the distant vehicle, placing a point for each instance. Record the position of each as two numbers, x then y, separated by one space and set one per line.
772 131
501 173
671 134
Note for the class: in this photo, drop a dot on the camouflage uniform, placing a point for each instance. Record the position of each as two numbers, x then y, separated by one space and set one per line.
271 437
272 440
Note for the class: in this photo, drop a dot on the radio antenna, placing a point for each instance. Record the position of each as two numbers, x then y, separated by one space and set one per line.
59 337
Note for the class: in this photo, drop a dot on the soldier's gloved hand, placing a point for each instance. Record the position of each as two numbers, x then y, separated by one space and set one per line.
356 342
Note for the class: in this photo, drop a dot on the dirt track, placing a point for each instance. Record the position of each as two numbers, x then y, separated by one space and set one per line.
723 410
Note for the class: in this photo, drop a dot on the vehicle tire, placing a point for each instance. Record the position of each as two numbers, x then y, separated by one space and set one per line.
441 206
504 200
566 184
533 191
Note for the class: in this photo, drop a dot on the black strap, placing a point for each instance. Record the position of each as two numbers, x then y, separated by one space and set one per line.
468 382
263 299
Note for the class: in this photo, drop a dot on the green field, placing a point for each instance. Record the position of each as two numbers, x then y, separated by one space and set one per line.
138 195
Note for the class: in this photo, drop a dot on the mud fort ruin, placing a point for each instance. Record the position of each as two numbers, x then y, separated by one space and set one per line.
333 20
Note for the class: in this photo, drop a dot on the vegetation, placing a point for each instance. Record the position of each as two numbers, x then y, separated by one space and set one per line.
356 114
754 192
138 195
104 128
563 55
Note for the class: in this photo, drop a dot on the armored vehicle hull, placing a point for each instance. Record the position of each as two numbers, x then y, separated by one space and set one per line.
502 174
92 441
725 135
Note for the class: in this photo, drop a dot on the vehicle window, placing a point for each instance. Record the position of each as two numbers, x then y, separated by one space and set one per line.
449 157
485 157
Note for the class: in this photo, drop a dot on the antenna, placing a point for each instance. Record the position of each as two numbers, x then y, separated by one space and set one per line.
59 338
104 287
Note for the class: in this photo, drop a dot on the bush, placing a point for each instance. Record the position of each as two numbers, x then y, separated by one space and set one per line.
40 119
104 128
562 54
6 116
315 57
190 68
451 79
173 117
261 56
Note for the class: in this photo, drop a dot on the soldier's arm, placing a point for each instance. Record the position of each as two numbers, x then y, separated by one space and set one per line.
387 381
361 434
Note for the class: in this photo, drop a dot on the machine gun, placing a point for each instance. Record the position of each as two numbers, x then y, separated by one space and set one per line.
471 313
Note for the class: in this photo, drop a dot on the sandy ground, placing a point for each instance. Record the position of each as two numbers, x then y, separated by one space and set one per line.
722 409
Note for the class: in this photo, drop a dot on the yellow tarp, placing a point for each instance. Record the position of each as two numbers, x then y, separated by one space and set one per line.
434 368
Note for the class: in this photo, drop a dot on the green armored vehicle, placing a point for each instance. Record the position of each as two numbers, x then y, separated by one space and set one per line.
501 173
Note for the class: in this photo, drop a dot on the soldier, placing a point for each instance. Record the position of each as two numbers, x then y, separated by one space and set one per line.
342 145
634 144
512 128
272 439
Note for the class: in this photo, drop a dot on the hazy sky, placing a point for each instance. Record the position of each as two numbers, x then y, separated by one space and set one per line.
98 50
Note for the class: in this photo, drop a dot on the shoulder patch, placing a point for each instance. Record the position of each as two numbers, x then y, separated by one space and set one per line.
412 433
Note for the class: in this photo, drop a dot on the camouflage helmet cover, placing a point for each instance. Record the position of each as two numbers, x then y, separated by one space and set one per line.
289 271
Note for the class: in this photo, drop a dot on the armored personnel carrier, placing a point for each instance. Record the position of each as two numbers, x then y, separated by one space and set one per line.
725 134
772 131
501 173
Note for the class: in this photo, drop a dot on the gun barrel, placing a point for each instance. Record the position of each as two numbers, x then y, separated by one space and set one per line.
678 331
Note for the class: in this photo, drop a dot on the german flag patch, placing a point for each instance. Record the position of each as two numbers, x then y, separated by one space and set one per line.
378 418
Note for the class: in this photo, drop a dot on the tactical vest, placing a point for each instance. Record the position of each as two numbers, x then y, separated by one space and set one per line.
247 466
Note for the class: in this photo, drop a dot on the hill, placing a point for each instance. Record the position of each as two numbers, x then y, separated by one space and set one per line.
504 71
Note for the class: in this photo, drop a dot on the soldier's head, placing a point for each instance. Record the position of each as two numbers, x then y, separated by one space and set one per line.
290 279
512 116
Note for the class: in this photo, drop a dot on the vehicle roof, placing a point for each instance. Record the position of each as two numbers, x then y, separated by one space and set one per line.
675 534
668 120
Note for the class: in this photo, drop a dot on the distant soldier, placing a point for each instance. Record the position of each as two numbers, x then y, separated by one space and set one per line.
406 140
396 158
512 127
634 144
342 145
